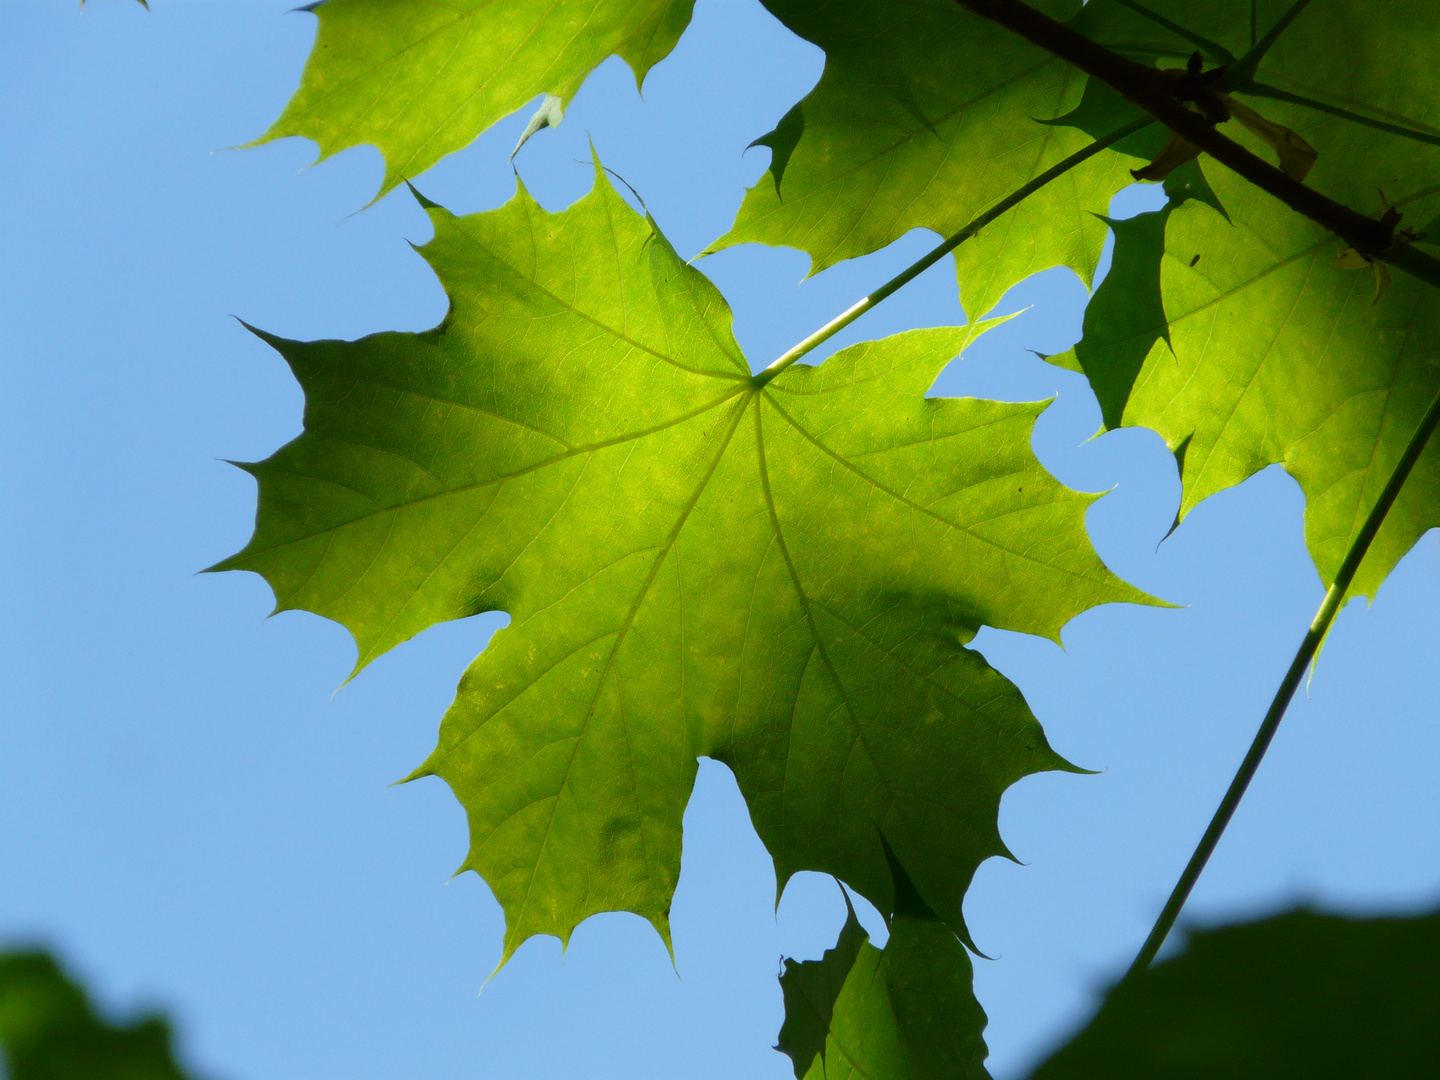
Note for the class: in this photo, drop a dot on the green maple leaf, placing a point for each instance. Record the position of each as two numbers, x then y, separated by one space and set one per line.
1297 995
811 988
1237 335
778 575
420 79
922 120
905 1013
925 117
49 1031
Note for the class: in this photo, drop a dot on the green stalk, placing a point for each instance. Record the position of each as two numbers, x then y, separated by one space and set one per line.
1245 67
1334 596
935 254
1213 49
1259 89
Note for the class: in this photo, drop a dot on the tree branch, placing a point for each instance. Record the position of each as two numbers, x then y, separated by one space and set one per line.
1164 97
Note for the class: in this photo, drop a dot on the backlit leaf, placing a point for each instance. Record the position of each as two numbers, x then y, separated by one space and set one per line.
781 576
925 117
420 79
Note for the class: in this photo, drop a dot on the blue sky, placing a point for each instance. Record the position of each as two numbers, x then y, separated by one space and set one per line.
196 817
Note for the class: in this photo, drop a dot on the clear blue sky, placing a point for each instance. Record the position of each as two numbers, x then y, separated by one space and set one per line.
196 818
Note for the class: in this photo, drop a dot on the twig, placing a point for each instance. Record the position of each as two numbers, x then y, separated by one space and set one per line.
1334 596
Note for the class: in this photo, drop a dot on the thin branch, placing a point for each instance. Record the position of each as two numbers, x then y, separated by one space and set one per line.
1334 596
1216 51
1259 89
1247 64
935 254
1151 91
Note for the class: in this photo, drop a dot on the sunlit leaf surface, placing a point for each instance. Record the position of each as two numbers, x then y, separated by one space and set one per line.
780 576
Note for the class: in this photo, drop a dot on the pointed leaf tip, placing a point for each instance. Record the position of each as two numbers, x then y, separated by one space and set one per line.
549 114
428 204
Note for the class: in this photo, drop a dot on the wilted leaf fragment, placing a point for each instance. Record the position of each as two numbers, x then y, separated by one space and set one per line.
905 1013
549 114
779 577
420 80
1302 994
1296 155
1177 151
50 1032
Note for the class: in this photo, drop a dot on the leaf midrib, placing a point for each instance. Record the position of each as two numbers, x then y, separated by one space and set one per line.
530 281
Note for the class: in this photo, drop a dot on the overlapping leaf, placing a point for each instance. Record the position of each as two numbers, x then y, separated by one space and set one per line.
905 1013
1240 339
925 117
49 1031
811 988
1302 994
779 576
420 79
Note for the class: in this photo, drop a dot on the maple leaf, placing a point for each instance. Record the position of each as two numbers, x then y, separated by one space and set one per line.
49 1031
420 80
907 1012
925 116
811 988
1240 337
1306 994
779 574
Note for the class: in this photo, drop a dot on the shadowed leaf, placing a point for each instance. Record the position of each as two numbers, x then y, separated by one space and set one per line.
1302 994
924 117
1245 341
810 989
905 1013
50 1032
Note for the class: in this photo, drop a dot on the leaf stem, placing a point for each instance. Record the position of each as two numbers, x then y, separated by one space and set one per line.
1334 596
935 254
1247 64
1259 89
1214 49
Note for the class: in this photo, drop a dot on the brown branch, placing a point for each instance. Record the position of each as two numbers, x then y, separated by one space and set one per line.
1163 96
